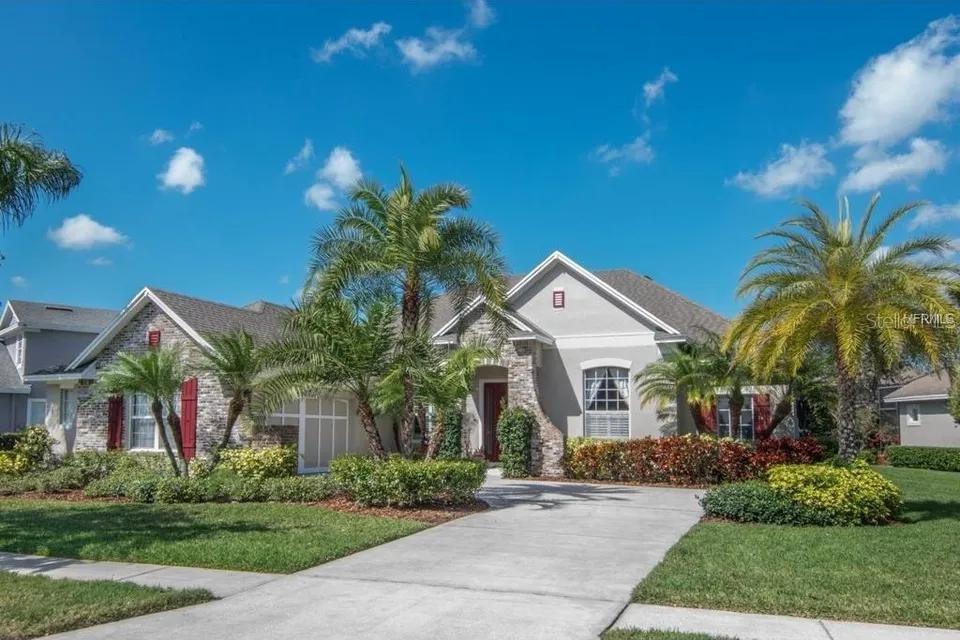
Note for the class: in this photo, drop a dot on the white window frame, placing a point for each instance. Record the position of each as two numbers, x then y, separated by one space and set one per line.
30 411
911 421
300 419
19 349
67 420
606 412
753 416
128 418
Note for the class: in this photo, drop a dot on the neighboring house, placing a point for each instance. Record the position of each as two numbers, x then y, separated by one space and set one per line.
321 427
575 341
924 417
39 337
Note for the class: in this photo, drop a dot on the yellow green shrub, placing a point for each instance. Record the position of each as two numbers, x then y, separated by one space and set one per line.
850 495
268 462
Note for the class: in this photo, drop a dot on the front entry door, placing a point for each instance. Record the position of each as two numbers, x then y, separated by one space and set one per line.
494 399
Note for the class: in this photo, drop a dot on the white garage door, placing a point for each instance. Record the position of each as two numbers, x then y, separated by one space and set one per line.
324 430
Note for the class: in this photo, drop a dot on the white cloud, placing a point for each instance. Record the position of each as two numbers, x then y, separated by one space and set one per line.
159 136
898 92
284 279
932 214
303 156
341 168
184 172
437 47
357 41
194 127
923 157
18 281
481 14
100 261
653 90
798 166
637 151
83 232
322 196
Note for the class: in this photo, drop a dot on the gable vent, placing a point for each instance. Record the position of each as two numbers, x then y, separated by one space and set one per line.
559 299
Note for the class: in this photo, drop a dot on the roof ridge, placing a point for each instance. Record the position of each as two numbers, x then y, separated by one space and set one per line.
208 301
12 301
665 288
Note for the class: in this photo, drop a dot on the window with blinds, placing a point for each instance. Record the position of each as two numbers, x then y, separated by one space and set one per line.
606 402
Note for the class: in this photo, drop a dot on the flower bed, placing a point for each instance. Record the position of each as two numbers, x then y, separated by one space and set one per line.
683 460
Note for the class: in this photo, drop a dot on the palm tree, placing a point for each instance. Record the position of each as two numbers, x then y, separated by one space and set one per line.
29 172
829 283
234 361
686 372
332 344
408 243
158 374
724 372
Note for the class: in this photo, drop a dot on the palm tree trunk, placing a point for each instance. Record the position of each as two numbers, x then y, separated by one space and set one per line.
698 419
173 419
369 423
849 439
234 409
736 410
436 436
156 408
780 413
409 319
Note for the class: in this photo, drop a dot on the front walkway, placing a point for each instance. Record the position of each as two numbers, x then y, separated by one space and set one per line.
755 626
551 561
217 581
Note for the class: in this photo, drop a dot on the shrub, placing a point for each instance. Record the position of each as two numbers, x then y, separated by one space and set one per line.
775 451
937 458
58 480
850 495
452 434
31 450
125 483
299 489
879 439
398 481
201 467
7 440
757 501
513 433
266 462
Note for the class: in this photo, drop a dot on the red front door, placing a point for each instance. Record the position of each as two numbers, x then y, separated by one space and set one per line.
494 399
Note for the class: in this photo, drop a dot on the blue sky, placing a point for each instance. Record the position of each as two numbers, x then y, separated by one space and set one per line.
658 137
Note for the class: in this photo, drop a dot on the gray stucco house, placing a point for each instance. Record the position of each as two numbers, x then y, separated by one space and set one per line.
39 337
923 415
575 340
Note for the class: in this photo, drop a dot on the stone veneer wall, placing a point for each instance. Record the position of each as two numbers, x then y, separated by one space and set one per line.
91 423
520 358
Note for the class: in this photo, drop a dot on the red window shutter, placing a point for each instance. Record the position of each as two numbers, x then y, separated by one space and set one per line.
559 299
188 417
115 422
761 414
153 339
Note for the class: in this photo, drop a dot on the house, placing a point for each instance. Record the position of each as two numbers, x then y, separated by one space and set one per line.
39 337
80 418
575 341
924 417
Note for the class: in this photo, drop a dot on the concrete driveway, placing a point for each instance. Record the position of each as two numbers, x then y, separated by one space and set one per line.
551 561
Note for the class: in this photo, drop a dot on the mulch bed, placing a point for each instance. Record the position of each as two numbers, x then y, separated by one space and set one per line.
428 514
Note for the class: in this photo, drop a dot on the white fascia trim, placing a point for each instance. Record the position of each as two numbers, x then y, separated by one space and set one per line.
554 257
136 305
58 377
605 362
670 340
8 308
17 390
932 396
531 336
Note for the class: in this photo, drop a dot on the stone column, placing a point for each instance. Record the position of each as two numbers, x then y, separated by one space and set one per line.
546 443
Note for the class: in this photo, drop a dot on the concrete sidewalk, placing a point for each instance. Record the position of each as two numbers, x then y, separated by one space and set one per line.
754 626
218 582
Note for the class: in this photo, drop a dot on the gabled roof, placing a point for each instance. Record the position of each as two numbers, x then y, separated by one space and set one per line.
195 316
56 316
933 386
673 314
10 381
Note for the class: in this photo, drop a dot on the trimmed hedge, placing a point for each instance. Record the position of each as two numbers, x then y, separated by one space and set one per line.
685 460
513 433
756 501
401 482
267 462
936 458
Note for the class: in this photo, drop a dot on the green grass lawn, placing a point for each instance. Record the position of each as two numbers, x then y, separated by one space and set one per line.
637 634
276 538
905 573
32 606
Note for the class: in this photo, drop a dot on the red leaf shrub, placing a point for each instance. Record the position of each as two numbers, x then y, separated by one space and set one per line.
878 440
683 460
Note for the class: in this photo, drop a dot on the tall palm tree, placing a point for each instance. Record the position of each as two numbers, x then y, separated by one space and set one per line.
332 344
158 374
686 372
723 371
408 243
29 172
831 283
234 361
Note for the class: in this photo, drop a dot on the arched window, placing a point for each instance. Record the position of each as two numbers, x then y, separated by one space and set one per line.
606 402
